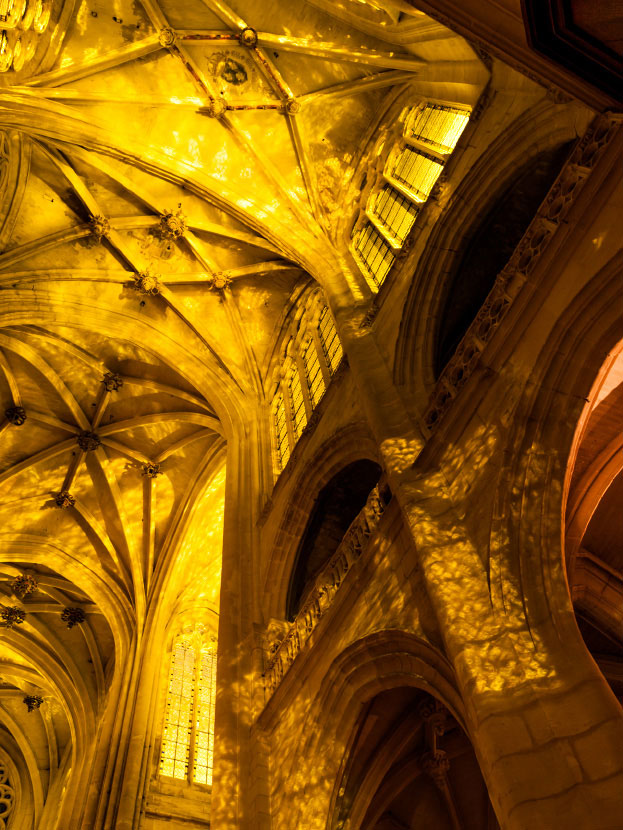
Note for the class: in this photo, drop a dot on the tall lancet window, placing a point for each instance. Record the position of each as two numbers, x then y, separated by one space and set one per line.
430 133
188 731
310 358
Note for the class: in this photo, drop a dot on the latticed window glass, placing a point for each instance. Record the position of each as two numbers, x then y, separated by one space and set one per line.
189 716
281 430
417 171
439 126
204 723
304 378
374 253
329 339
315 380
178 715
395 212
299 416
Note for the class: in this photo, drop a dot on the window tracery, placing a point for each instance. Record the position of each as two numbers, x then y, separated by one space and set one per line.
429 135
188 733
7 797
312 356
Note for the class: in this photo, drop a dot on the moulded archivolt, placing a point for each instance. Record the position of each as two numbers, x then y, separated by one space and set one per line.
521 265
14 166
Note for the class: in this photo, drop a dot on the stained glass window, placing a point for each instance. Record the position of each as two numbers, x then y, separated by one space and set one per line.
329 339
299 416
315 380
178 715
395 212
374 254
189 715
439 126
312 355
281 430
204 724
417 171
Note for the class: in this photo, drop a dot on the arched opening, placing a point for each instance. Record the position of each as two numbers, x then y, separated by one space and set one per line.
490 246
337 505
594 538
411 766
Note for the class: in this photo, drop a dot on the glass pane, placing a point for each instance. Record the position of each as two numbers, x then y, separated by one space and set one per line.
396 212
374 254
439 126
299 415
281 431
315 380
417 171
329 339
204 723
178 712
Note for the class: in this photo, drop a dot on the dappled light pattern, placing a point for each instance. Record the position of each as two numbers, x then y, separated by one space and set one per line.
248 584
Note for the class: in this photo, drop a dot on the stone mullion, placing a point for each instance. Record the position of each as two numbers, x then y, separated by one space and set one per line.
287 404
193 714
302 370
322 360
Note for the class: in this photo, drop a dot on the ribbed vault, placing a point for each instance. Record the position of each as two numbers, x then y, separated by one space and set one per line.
171 175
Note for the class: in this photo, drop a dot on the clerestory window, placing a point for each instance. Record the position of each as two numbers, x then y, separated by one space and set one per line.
188 731
314 354
430 134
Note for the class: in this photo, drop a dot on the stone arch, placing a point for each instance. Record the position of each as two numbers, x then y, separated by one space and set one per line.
337 505
528 584
540 129
347 445
379 661
545 425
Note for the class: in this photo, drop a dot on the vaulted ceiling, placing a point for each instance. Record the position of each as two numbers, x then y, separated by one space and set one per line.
171 175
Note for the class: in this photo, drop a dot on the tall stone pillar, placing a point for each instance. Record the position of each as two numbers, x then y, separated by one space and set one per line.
546 728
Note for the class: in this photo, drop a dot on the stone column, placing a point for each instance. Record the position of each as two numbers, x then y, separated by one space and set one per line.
547 730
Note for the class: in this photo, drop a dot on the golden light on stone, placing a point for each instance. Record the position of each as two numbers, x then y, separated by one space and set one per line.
146 283
227 233
248 37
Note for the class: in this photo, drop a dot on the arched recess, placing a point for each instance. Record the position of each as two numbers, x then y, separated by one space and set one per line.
376 663
336 506
346 446
541 130
528 583
410 765
547 420
488 245
593 525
